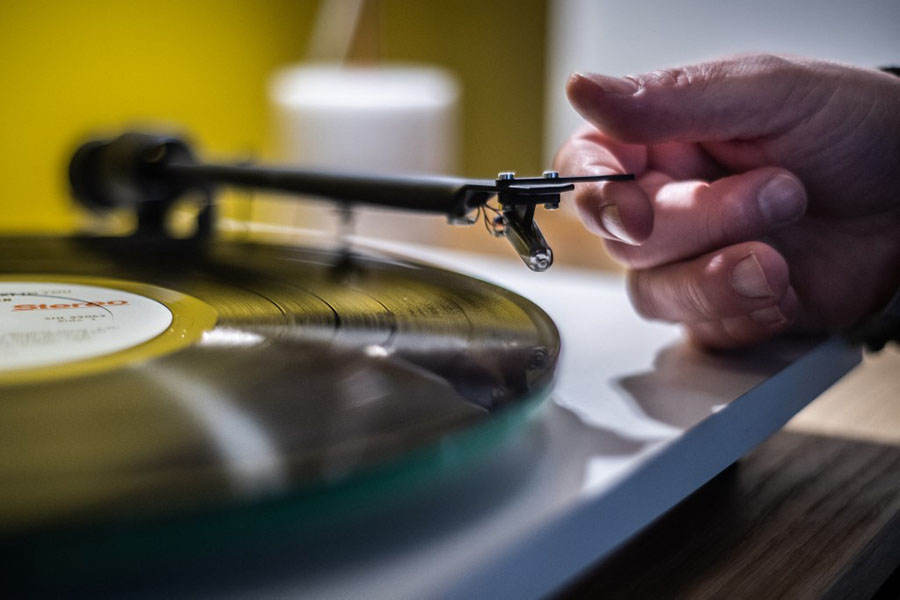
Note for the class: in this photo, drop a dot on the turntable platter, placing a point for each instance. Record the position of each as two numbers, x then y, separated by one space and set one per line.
249 372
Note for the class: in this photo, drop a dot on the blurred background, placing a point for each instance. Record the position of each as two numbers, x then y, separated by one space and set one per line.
210 68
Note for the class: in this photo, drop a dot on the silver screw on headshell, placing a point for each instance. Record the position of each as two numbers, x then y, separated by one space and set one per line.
506 175
551 175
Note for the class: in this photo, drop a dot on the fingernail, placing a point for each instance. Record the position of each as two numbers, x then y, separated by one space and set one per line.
749 280
612 223
782 200
612 85
768 316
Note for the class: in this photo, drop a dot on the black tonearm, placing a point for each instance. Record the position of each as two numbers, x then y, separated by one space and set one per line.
150 172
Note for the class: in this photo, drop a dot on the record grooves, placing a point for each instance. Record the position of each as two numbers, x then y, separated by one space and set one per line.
284 371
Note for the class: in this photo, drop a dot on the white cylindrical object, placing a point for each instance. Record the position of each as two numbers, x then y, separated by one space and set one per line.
382 119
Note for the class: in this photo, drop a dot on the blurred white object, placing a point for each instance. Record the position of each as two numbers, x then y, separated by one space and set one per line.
620 38
396 118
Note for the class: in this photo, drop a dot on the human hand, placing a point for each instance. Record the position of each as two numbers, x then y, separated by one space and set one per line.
767 195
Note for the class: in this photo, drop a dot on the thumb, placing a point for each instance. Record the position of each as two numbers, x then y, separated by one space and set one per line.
739 97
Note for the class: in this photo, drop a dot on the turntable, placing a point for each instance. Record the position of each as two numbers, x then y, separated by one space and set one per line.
208 415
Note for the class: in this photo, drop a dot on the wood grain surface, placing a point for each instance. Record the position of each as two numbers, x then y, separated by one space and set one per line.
813 512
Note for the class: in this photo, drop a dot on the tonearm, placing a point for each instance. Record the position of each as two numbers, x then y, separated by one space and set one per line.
151 172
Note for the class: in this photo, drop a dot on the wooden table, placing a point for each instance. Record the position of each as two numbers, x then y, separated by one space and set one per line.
813 512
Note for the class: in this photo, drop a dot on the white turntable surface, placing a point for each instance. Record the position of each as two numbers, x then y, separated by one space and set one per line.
637 422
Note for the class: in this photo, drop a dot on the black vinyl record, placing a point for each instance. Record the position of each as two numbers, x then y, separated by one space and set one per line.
245 373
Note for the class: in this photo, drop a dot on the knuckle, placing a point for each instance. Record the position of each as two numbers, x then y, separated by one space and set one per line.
701 75
671 77
680 77
758 64
766 61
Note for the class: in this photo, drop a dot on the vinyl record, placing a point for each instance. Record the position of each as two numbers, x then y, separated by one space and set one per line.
141 380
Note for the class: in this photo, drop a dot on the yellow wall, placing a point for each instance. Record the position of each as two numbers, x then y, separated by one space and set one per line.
69 68
497 47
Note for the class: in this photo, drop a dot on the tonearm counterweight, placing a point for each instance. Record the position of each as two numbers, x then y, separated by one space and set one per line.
151 172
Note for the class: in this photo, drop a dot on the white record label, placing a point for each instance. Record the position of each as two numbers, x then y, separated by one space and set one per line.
49 323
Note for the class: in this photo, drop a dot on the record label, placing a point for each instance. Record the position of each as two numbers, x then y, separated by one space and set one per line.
65 325
47 323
